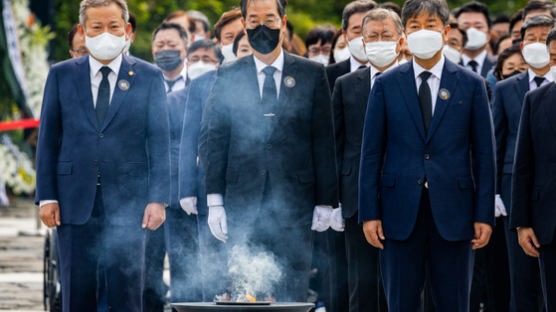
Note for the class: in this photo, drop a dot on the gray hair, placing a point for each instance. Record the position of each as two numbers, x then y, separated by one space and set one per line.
85 4
206 44
380 14
434 7
359 6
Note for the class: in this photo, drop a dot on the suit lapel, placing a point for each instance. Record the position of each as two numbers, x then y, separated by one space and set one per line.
550 108
448 83
487 65
288 72
120 91
522 86
83 86
406 79
364 90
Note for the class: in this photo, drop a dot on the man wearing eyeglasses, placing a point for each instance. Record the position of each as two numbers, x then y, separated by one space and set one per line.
267 148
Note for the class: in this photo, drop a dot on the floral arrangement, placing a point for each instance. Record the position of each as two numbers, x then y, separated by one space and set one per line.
16 167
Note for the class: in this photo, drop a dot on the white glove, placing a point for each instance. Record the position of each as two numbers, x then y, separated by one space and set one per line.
189 205
217 223
321 218
337 220
499 208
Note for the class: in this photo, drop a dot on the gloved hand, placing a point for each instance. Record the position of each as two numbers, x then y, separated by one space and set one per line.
499 208
321 218
337 220
189 205
217 222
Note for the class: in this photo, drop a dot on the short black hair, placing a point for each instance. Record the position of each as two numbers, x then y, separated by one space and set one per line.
502 57
497 44
412 8
281 4
501 19
551 36
539 5
537 21
290 28
237 39
359 6
177 27
518 16
475 7
71 35
206 44
132 21
322 33
391 6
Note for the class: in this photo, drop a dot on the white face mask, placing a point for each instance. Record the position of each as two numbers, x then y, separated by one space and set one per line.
105 46
381 53
476 39
341 55
199 68
357 49
424 44
228 52
451 54
321 58
553 71
536 55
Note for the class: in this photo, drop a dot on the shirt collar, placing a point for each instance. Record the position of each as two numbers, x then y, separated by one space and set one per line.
480 59
278 63
354 64
375 71
532 75
96 65
436 70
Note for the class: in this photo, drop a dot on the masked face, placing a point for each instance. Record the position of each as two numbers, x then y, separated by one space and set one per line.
168 60
451 54
321 58
424 44
198 69
515 72
341 55
476 39
263 39
357 49
228 53
105 46
381 53
536 55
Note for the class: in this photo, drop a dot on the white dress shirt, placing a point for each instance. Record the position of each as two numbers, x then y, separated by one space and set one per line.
480 59
375 71
434 79
548 78
96 79
278 64
180 80
354 64
96 76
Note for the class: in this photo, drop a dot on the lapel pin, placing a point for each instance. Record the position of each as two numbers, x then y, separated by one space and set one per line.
444 94
289 82
131 73
123 85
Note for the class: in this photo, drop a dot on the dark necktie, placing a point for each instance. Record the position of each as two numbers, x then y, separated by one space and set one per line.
269 99
362 67
172 83
474 65
425 99
539 81
103 96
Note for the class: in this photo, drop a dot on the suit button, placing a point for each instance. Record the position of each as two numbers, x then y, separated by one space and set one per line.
420 182
101 135
427 156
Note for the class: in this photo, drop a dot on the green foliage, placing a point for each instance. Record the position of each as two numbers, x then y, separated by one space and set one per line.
304 14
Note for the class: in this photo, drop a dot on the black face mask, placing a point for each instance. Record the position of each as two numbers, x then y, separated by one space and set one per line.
263 39
515 72
168 60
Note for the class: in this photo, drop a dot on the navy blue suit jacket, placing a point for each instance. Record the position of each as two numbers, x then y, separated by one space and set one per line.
534 178
509 95
176 110
456 157
130 151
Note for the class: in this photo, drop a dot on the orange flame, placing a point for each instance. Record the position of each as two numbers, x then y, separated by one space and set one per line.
250 298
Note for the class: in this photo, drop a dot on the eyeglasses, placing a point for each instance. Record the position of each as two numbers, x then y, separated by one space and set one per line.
81 51
269 22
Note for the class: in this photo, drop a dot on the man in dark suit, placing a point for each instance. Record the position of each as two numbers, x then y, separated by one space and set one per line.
269 150
474 18
427 174
533 213
509 95
382 32
352 17
103 156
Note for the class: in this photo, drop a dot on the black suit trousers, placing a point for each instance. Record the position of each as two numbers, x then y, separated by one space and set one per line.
547 263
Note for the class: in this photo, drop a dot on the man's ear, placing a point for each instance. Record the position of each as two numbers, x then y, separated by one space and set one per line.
243 24
81 29
127 31
400 43
445 33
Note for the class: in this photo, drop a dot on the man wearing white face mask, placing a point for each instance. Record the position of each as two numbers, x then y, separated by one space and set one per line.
102 160
508 102
427 169
226 30
382 33
352 17
474 18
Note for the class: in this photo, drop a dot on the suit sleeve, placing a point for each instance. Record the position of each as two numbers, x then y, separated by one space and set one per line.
158 143
322 129
50 132
501 134
483 155
372 154
339 130
188 144
214 139
522 178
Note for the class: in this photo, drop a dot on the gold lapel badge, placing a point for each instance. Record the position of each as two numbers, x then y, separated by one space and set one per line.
123 85
131 73
289 82
444 94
